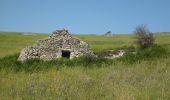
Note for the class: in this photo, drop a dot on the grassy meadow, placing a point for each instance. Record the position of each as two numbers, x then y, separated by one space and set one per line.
143 77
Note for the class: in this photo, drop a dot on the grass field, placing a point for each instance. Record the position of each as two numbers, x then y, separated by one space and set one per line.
147 79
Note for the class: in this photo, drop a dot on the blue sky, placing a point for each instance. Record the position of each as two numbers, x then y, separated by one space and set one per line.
84 16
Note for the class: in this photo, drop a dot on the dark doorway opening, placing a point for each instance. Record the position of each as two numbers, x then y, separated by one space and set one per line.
65 53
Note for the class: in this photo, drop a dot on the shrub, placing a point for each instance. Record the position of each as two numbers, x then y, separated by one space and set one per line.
153 52
144 37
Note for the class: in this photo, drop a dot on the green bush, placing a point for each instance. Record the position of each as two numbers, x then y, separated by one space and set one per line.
153 52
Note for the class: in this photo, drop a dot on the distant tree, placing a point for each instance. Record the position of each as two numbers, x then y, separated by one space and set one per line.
144 37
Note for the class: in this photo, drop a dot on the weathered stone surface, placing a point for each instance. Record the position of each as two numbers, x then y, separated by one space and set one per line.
114 54
111 54
59 44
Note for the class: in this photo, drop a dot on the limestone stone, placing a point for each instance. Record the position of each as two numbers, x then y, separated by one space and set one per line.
111 54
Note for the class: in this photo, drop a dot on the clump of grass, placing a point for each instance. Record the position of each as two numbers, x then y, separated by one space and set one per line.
153 52
35 65
10 63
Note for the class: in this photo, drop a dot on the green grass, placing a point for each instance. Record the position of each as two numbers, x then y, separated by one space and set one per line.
13 42
145 80
145 76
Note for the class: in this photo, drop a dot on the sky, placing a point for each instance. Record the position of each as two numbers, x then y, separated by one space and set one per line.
84 16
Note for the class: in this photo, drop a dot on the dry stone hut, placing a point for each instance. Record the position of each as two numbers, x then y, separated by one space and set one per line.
59 44
109 33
